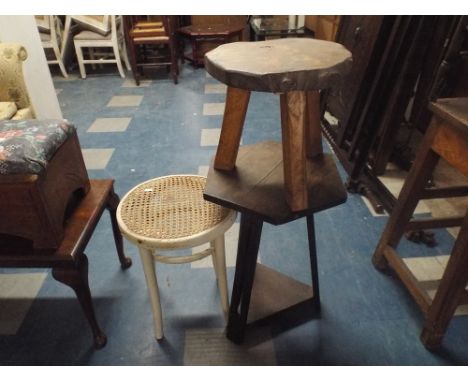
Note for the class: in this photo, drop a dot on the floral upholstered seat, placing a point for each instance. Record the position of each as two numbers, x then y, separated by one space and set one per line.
26 146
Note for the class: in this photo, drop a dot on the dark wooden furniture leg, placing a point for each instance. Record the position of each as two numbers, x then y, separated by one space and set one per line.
449 293
293 115
111 205
247 253
77 279
237 101
408 199
313 261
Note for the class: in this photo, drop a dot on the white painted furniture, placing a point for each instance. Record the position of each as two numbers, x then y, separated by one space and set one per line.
92 40
50 40
169 213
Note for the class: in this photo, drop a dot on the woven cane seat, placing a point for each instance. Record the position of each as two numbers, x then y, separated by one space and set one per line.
169 211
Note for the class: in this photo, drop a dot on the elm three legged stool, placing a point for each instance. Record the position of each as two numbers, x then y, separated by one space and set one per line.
269 181
297 69
169 213
446 138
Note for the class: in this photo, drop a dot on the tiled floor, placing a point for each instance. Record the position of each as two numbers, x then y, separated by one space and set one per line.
133 134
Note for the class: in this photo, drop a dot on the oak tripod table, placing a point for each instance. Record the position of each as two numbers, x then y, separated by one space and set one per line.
270 181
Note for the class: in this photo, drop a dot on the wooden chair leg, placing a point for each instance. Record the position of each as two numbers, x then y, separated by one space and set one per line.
416 181
247 253
77 279
449 292
219 263
293 112
80 58
237 101
112 204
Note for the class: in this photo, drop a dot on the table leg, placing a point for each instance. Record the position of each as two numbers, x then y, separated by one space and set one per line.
77 279
237 101
313 261
247 253
449 293
293 118
112 204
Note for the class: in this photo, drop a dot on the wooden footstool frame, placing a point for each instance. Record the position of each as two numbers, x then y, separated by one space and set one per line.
169 213
447 138
69 263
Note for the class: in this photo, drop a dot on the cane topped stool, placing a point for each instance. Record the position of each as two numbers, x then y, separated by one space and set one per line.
170 213
297 68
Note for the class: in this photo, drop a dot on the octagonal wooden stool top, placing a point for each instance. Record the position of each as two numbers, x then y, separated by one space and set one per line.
297 68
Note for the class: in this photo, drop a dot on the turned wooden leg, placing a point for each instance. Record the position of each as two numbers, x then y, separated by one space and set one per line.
219 264
112 204
449 293
148 264
293 112
313 131
237 101
77 279
415 182
247 253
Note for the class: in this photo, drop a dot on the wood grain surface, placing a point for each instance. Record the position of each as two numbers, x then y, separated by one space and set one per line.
279 65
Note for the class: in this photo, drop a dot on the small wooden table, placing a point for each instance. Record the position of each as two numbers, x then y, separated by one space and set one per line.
255 189
296 68
203 34
68 262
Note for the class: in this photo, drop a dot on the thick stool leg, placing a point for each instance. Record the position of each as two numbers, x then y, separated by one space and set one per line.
77 279
147 261
237 101
219 263
293 115
313 131
416 181
247 253
449 292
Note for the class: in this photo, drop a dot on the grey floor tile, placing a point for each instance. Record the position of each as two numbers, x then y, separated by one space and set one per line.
109 125
215 89
210 347
125 101
97 159
216 108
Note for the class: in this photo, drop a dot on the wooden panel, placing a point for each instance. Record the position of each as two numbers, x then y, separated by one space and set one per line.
452 145
257 184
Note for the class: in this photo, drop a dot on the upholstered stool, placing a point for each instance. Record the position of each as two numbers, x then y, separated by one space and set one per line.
170 213
295 68
447 138
41 168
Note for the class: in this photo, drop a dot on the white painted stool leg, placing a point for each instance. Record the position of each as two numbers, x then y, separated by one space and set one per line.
219 262
147 261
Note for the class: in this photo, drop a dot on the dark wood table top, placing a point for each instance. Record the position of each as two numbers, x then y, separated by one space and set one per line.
280 65
256 184
211 30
